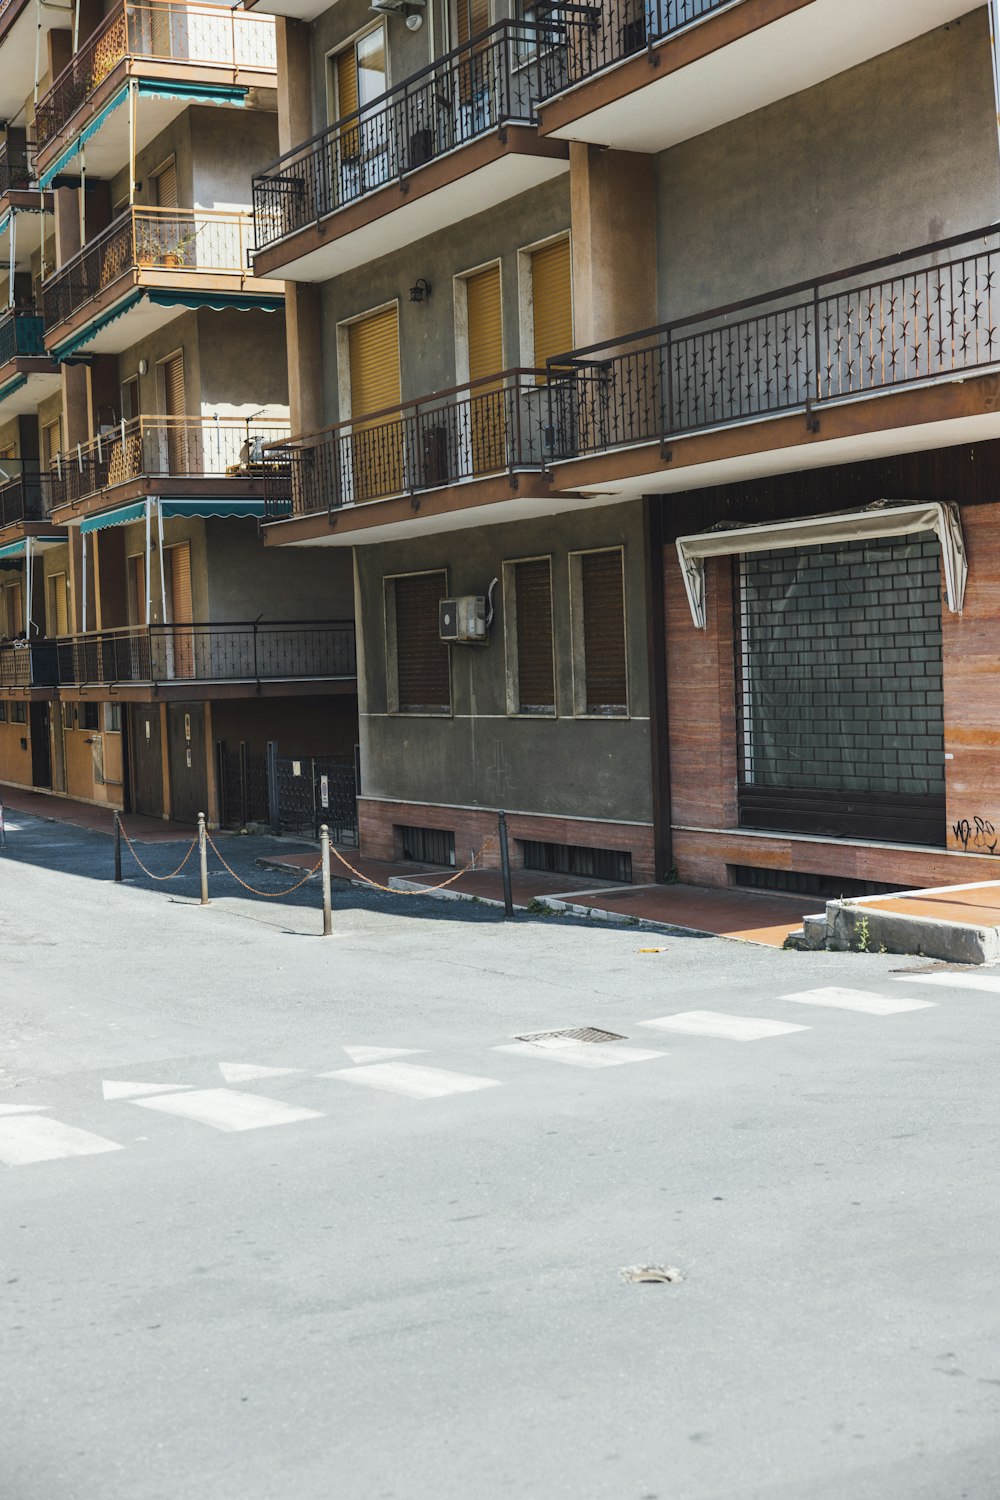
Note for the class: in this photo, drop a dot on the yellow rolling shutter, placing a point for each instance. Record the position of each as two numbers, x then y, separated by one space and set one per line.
552 299
174 406
181 608
488 409
348 99
58 602
377 446
473 17
165 186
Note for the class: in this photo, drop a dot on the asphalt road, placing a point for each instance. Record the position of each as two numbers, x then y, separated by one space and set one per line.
397 1275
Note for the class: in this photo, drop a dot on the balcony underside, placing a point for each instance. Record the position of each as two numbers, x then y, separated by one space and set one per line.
141 301
186 487
20 22
108 148
193 690
453 187
941 415
735 62
16 531
29 209
24 382
475 503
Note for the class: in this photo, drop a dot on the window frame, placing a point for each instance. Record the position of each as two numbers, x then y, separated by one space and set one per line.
333 113
511 664
526 294
393 707
577 634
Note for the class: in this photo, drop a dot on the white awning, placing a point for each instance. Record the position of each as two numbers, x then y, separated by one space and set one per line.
883 520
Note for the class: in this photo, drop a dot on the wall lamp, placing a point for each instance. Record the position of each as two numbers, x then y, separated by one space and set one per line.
419 290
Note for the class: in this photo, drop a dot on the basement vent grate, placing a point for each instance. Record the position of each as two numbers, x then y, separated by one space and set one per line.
579 1034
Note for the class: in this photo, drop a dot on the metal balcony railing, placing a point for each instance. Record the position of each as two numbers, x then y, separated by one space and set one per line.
161 447
24 665
28 497
190 242
492 426
16 174
22 332
602 34
923 315
494 80
155 30
252 651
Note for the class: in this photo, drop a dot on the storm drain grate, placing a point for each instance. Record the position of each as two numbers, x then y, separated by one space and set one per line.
579 1034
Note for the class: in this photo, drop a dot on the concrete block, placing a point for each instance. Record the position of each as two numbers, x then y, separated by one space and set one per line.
920 936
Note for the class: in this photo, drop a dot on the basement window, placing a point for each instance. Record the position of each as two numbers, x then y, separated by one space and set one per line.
574 859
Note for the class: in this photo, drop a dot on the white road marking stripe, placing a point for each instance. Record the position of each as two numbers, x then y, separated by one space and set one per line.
863 1000
413 1080
225 1109
37 1138
379 1054
715 1023
115 1090
580 1054
245 1072
984 982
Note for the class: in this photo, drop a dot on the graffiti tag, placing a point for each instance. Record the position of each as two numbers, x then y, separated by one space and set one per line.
980 834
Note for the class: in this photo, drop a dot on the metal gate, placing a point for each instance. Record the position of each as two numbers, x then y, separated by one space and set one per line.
243 786
317 789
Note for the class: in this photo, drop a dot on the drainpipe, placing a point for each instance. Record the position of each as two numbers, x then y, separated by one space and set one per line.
149 506
27 582
163 583
83 541
13 258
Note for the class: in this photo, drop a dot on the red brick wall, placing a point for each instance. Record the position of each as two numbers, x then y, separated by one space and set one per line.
972 691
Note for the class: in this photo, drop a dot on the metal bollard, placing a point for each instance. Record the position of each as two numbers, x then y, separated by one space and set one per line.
118 848
203 856
324 850
508 895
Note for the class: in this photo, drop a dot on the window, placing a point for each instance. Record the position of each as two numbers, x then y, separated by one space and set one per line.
527 596
418 661
357 76
113 718
597 589
551 301
3 713
19 713
90 716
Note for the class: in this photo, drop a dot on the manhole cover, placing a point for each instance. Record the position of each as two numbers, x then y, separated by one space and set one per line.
651 1273
579 1034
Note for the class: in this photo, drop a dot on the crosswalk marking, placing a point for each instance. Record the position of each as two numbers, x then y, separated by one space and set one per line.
226 1109
865 1001
988 983
579 1054
379 1054
716 1024
113 1089
245 1072
413 1080
27 1138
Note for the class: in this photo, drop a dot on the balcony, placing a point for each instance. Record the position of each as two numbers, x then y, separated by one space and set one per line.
27 373
193 661
896 355
16 173
147 268
24 666
176 55
452 140
215 459
457 458
643 75
25 500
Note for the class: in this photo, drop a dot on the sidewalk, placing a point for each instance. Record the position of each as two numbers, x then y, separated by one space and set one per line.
95 819
956 923
746 915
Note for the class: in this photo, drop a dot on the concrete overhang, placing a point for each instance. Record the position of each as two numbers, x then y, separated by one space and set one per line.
23 211
20 22
24 382
738 60
187 487
458 185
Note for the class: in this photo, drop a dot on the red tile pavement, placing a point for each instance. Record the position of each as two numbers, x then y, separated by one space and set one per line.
85 815
968 906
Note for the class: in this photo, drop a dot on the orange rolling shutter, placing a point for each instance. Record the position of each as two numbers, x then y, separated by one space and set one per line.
535 671
552 300
374 363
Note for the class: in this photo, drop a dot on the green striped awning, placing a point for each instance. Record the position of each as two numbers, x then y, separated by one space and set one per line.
122 515
12 550
227 509
65 157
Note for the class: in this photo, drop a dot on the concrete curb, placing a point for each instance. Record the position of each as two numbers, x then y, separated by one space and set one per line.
899 933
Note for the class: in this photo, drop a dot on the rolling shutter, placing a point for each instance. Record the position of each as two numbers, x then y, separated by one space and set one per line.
603 601
15 611
348 100
535 675
137 586
173 406
485 323
165 186
58 602
473 17
423 674
181 608
374 357
552 299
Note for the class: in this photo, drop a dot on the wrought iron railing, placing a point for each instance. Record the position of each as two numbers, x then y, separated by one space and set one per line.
174 447
22 331
253 651
602 34
919 316
26 665
486 427
16 174
494 80
183 240
28 497
204 35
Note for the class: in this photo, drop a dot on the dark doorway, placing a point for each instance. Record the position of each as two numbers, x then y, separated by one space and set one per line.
186 755
147 761
41 749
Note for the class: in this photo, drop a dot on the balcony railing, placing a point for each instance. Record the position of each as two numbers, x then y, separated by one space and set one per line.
22 332
28 497
253 651
187 241
199 35
24 665
165 447
15 173
494 80
923 315
605 33
492 426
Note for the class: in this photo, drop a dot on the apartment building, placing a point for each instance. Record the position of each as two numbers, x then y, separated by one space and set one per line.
156 656
666 330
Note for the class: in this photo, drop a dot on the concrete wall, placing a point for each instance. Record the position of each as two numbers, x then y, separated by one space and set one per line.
320 725
569 767
228 147
427 329
174 141
895 153
180 333
281 583
233 346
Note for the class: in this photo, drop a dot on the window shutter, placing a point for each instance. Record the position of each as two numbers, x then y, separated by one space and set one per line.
423 664
165 186
59 597
604 632
181 606
485 323
535 674
552 299
374 359
473 17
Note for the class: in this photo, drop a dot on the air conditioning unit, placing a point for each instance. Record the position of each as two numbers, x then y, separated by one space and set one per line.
463 621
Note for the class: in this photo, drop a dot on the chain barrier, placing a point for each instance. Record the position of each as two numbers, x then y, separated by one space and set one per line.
392 890
144 868
252 888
